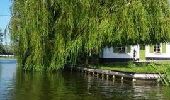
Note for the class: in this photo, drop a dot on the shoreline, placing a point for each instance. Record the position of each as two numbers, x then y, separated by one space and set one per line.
112 74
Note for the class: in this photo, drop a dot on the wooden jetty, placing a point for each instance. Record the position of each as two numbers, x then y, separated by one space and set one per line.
6 55
121 75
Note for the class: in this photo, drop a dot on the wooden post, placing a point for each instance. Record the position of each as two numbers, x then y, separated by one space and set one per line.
121 79
102 76
107 77
113 76
97 75
93 73
133 80
113 81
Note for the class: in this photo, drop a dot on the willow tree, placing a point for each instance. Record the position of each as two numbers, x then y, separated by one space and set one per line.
48 34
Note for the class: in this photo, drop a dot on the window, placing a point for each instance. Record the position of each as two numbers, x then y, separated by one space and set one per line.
119 49
157 48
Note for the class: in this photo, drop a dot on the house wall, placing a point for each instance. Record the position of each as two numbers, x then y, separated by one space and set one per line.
109 55
157 56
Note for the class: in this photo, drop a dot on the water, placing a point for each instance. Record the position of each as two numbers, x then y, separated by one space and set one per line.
18 85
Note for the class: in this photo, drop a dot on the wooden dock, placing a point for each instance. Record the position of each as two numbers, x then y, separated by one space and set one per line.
6 55
131 76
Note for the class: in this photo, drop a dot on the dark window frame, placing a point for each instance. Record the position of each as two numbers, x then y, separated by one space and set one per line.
157 48
120 49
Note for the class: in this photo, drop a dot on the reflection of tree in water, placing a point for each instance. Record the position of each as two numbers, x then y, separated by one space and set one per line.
118 90
166 92
7 79
37 86
51 86
76 86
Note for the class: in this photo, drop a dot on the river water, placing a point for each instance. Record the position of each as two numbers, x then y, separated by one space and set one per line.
19 85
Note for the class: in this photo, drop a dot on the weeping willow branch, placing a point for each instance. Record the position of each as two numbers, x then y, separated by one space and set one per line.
49 34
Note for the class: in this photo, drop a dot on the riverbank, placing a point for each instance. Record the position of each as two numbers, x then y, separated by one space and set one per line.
130 71
134 67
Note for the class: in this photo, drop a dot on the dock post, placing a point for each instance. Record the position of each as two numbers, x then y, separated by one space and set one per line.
97 75
121 79
133 80
113 76
102 76
107 77
93 73
113 81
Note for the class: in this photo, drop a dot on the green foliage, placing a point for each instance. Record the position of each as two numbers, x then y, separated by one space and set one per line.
2 49
49 34
166 80
131 64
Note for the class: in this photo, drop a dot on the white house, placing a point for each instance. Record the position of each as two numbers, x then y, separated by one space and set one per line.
160 51
119 54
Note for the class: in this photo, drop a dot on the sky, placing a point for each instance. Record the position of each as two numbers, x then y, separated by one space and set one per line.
4 10
5 18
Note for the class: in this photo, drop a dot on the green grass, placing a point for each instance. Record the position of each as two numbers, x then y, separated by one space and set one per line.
137 68
142 54
163 62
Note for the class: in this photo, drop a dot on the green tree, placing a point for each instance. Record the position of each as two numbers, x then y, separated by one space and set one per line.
2 50
48 34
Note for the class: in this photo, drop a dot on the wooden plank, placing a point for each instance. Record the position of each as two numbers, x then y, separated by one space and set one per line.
124 74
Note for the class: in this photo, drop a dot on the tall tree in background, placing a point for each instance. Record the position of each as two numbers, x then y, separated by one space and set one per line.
2 50
49 34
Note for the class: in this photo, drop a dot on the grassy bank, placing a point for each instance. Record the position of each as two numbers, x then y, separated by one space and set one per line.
138 67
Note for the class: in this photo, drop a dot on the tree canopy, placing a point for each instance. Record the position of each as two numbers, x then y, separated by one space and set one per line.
49 34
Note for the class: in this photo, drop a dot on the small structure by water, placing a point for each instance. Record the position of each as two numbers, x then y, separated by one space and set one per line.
159 51
6 55
121 75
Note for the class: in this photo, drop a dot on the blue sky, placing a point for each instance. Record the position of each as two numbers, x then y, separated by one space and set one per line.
4 10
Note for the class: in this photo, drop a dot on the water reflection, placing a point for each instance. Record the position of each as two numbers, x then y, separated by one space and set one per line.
0 71
124 90
7 78
72 86
53 86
